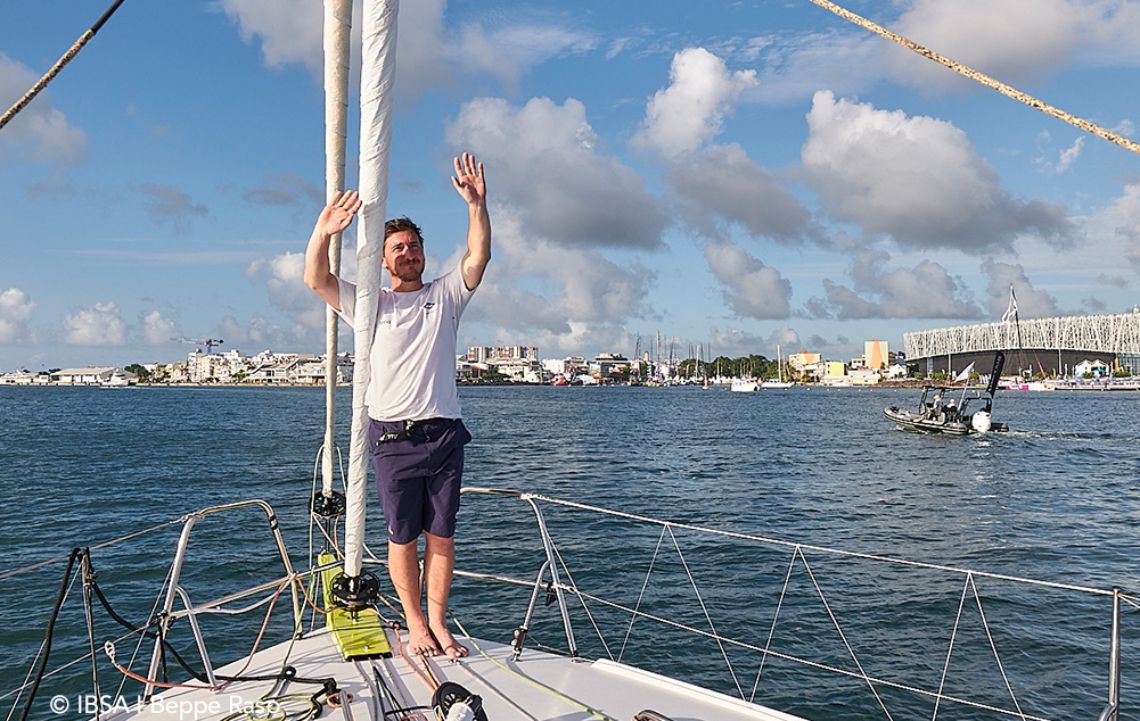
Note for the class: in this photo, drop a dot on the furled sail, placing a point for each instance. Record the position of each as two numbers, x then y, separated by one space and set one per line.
378 74
338 27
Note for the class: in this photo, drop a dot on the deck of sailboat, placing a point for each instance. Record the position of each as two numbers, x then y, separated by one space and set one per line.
537 686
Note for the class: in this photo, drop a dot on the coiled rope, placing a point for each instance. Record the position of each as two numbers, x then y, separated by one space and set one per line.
982 78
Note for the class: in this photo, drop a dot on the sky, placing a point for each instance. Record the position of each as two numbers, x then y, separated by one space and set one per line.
731 174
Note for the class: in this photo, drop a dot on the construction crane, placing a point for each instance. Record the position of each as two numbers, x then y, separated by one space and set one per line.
209 343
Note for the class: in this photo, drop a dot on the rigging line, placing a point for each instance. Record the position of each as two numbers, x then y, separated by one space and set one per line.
32 666
704 609
993 647
950 649
982 78
54 672
532 681
19 690
135 534
63 60
843 636
775 620
585 607
824 549
142 636
88 575
641 595
812 664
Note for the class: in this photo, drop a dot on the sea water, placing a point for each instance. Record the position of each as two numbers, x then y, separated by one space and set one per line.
1055 498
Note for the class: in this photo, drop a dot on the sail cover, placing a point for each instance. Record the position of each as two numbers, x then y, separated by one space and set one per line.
338 27
377 76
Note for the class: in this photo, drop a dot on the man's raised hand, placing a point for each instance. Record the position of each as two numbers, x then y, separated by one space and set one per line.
468 180
340 211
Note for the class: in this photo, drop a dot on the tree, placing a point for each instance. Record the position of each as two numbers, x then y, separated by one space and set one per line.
139 371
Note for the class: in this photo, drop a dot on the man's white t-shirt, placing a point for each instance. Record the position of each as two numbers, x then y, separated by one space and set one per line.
413 353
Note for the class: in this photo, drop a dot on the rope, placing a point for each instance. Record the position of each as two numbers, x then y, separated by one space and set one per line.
64 590
982 78
59 64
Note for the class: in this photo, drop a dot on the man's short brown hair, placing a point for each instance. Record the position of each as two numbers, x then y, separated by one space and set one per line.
399 225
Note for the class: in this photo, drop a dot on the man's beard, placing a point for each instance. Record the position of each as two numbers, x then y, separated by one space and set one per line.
408 272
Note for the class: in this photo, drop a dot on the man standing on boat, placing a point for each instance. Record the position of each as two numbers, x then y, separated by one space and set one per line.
416 433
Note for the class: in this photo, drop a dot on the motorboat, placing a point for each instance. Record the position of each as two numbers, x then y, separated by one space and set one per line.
939 412
973 413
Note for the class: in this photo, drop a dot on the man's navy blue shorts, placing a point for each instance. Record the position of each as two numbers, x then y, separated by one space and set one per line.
418 473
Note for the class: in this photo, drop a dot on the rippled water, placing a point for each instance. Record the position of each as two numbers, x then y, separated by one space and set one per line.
1056 498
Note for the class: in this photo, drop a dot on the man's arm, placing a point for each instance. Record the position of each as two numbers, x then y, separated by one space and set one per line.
472 187
335 217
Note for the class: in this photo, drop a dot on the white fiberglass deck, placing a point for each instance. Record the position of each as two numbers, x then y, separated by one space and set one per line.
536 687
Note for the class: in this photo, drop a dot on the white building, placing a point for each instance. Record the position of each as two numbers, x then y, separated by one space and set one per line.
1094 368
83 376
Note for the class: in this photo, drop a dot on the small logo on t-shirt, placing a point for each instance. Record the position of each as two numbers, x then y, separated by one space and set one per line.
428 306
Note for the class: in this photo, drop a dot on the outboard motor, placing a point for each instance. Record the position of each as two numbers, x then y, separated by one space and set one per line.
980 421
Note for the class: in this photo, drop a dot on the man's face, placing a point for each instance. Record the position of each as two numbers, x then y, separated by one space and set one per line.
404 255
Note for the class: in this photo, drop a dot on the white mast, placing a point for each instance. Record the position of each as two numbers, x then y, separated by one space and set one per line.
377 76
338 27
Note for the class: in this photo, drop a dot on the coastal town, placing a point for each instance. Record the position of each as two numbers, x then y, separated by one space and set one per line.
523 365
487 364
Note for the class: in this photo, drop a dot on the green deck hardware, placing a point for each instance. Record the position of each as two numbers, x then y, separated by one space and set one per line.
357 635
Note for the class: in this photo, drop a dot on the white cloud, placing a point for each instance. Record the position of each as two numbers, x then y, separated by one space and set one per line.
428 54
1015 40
157 329
290 30
1065 160
1031 302
99 325
561 300
722 182
283 277
796 65
753 290
1119 225
916 179
690 112
507 52
15 311
541 159
39 130
925 291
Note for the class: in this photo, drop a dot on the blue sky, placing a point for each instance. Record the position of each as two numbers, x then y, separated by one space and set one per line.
737 174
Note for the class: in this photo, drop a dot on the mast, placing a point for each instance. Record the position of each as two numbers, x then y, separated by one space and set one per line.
338 26
377 76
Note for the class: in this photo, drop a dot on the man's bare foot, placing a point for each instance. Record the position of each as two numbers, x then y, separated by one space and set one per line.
451 648
422 643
